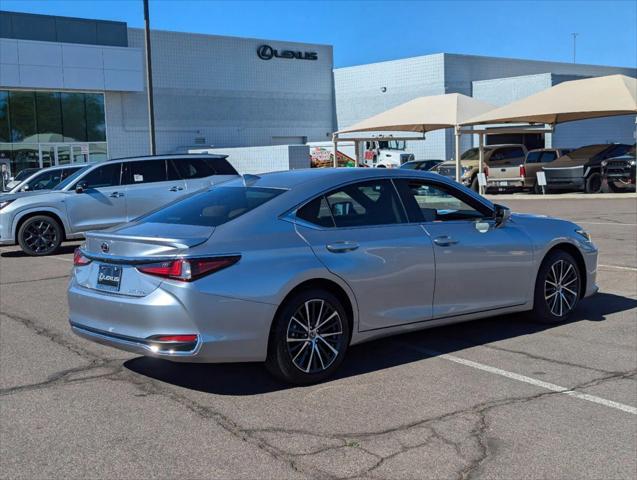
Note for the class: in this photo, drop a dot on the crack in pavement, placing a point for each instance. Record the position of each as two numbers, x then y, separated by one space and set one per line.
472 451
18 282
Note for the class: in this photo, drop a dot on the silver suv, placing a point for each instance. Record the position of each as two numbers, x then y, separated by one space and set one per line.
105 194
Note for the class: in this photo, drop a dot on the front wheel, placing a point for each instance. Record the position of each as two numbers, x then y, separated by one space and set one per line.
40 235
557 288
593 183
309 338
617 187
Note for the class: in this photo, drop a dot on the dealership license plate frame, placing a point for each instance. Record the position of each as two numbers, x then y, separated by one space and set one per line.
109 277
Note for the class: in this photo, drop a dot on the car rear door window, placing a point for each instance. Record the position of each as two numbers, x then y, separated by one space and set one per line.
104 176
429 202
366 203
145 171
190 168
549 156
316 212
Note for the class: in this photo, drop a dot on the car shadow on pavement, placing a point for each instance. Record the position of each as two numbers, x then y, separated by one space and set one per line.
252 378
63 250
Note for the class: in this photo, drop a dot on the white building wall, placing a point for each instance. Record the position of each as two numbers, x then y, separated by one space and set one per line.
216 90
255 160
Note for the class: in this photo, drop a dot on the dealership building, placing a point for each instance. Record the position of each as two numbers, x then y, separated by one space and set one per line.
73 90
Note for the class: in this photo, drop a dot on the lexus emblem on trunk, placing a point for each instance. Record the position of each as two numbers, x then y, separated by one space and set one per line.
105 248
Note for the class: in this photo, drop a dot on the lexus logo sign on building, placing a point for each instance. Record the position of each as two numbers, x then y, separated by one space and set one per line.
266 52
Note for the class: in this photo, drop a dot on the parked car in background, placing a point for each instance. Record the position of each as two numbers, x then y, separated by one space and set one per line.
494 155
581 169
44 179
424 165
293 267
20 176
105 194
523 176
619 172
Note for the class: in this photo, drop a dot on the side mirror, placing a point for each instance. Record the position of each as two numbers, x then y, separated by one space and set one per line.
25 188
501 215
80 187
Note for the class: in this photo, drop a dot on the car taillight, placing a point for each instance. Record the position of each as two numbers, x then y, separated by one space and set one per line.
188 269
522 171
79 260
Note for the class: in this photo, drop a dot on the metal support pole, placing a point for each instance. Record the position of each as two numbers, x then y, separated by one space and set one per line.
457 136
149 81
334 149
480 159
357 150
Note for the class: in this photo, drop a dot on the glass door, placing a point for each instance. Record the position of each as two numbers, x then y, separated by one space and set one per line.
47 155
79 153
63 154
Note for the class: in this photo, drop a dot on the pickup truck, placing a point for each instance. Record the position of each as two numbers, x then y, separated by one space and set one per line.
619 172
495 156
581 168
523 176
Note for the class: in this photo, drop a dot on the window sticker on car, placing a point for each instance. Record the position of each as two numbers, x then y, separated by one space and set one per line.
138 178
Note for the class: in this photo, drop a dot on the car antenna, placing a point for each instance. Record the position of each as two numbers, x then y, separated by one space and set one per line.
249 179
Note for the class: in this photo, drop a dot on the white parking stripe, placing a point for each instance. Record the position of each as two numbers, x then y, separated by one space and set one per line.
631 269
523 378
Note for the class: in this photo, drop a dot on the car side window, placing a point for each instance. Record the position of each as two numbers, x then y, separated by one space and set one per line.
45 181
316 212
428 202
145 171
190 168
365 204
548 157
105 176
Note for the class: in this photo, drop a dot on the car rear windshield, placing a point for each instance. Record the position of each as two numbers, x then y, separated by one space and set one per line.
214 207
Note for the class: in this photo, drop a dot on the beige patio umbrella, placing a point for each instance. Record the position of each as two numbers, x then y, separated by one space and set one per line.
425 114
568 101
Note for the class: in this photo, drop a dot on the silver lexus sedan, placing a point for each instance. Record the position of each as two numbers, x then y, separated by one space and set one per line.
291 268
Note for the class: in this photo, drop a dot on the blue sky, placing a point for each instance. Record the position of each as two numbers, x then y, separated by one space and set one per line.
372 31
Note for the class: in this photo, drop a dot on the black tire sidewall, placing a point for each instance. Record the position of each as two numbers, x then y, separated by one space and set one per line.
591 180
279 362
541 311
38 218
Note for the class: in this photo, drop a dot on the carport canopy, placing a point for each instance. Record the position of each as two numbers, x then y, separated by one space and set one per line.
425 114
568 101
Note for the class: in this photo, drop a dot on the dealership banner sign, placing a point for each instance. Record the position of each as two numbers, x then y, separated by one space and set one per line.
266 52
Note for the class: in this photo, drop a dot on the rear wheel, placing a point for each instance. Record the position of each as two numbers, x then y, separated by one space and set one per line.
309 338
593 183
40 235
557 288
537 189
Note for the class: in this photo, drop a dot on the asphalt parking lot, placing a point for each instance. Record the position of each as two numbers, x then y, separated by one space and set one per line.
497 398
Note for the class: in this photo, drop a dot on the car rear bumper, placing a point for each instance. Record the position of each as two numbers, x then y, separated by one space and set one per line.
227 329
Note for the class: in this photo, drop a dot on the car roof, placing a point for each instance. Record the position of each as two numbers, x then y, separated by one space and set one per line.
173 156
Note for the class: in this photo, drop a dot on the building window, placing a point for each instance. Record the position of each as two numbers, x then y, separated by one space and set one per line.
40 129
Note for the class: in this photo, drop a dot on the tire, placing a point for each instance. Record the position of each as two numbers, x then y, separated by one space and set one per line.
537 189
381 166
40 235
475 186
549 305
593 184
289 360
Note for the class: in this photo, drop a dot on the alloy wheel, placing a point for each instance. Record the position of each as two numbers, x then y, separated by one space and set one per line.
314 336
561 287
40 236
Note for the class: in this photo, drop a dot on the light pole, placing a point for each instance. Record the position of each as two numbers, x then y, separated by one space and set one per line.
575 34
149 81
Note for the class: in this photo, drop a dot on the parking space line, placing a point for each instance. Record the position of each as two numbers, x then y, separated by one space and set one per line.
630 269
523 378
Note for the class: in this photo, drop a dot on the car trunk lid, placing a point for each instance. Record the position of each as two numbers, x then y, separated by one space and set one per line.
116 253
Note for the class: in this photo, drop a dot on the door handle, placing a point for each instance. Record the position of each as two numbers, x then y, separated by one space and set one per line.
445 241
340 247
116 195
175 189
